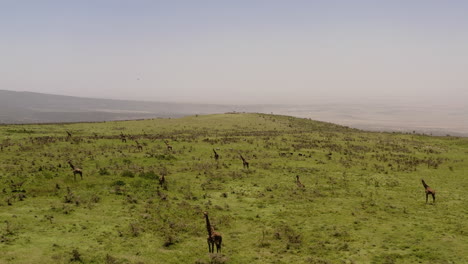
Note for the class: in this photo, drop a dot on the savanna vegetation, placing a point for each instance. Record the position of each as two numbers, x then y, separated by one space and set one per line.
145 185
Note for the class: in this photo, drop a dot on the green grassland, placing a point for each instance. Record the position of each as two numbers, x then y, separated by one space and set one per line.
363 200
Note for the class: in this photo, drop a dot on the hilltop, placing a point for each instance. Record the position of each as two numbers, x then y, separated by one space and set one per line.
359 200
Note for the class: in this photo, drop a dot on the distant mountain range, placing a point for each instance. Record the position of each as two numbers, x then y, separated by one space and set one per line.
29 107
389 115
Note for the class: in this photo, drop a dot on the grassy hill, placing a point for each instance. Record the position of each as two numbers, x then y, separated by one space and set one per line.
363 201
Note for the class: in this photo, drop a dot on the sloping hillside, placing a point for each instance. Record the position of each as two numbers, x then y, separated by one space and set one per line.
146 184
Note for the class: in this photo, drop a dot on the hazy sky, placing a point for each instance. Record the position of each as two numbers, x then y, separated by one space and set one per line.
238 51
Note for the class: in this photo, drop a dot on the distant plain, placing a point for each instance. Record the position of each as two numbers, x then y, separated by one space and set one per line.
389 114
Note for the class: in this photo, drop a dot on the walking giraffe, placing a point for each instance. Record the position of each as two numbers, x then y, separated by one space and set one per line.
214 238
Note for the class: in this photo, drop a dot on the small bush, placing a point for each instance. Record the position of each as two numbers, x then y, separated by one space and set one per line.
118 183
169 240
76 256
127 173
135 229
218 259
150 175
165 157
95 198
293 238
387 258
317 261
110 259
70 197
103 171
118 187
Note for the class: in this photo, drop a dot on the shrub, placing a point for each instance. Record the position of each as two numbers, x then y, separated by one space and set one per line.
150 175
169 240
76 256
118 183
165 157
127 173
135 229
103 171
110 259
218 259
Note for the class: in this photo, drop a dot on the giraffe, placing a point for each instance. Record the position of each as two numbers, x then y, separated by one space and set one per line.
244 162
429 190
17 186
163 182
69 135
169 147
139 146
299 183
75 170
214 238
123 137
216 156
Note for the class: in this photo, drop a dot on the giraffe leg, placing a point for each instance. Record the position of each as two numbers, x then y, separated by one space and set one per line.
209 245
427 196
218 245
433 197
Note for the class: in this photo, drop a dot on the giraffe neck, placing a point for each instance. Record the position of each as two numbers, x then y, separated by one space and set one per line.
424 184
209 228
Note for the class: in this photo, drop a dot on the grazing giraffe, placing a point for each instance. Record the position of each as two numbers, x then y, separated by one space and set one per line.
216 156
429 190
76 170
214 238
244 162
299 183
